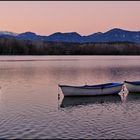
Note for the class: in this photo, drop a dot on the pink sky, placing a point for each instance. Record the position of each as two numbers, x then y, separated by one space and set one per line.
84 17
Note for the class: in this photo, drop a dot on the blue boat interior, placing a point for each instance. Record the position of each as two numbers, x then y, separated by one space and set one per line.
134 82
107 85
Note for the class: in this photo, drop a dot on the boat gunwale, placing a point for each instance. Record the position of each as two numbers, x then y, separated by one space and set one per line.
133 83
100 86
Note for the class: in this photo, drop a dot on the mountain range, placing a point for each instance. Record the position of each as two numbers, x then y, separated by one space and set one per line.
113 35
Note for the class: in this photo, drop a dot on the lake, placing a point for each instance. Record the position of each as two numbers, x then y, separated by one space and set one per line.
30 108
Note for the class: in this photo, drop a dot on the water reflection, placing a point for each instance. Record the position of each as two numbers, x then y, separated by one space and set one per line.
0 93
124 94
134 97
74 101
122 97
28 98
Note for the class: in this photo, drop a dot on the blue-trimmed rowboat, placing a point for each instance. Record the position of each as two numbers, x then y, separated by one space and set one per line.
91 90
132 86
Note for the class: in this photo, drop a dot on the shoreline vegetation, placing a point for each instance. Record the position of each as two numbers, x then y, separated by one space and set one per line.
10 46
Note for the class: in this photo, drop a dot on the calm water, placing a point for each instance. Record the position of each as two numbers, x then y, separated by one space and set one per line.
29 105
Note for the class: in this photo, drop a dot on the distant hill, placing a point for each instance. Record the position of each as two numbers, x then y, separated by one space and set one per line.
113 35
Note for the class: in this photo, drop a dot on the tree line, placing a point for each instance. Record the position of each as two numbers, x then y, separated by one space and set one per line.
11 46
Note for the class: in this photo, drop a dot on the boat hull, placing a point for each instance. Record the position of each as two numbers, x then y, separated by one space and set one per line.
80 91
132 87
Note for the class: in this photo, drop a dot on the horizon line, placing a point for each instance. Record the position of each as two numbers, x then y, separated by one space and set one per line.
69 32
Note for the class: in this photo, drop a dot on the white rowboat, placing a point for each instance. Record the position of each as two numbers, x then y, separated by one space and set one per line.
91 90
133 86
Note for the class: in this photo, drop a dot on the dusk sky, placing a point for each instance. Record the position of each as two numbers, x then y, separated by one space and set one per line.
84 17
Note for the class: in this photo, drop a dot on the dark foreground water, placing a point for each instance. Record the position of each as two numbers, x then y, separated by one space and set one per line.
29 105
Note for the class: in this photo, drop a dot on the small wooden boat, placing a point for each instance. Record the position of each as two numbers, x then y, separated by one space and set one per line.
91 90
132 86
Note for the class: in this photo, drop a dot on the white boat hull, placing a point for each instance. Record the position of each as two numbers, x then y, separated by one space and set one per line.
132 88
74 91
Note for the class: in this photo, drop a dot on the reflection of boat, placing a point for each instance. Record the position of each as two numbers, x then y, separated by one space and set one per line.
133 97
90 90
74 101
132 86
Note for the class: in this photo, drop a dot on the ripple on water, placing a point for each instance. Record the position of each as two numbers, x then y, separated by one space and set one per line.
29 106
